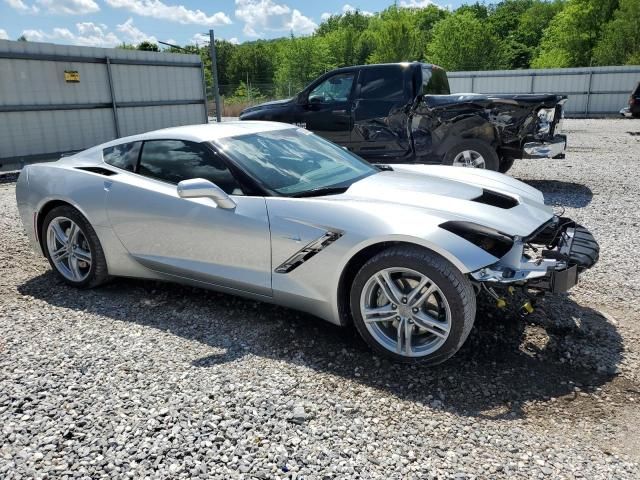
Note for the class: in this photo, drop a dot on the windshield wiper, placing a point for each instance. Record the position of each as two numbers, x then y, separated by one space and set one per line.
318 192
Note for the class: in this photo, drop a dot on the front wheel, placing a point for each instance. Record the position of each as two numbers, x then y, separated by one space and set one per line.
412 305
473 154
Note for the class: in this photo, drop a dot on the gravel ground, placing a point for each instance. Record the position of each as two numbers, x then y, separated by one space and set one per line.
148 380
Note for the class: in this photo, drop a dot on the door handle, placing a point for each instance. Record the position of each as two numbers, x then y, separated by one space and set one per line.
339 111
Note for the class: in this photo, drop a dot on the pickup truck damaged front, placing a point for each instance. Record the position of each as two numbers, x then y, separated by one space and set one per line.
518 126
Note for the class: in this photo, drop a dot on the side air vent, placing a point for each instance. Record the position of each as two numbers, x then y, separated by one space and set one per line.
308 251
496 199
99 170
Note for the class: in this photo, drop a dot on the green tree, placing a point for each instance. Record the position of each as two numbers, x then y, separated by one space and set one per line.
253 61
620 42
300 60
463 42
573 33
394 37
519 25
148 46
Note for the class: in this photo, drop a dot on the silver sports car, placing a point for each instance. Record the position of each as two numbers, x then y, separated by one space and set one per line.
272 212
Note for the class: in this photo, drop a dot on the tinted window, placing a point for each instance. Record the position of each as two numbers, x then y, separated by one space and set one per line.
435 81
123 156
176 160
334 89
382 83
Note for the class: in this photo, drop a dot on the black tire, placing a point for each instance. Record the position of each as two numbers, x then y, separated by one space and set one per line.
456 288
491 160
506 164
98 272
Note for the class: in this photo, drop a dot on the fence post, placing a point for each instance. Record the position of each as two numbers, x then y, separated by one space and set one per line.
586 108
472 82
114 104
533 79
204 93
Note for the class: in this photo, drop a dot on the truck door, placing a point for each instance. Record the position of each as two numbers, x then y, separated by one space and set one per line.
327 110
382 96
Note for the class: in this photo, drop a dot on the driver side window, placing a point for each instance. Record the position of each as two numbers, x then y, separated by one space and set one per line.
175 160
334 89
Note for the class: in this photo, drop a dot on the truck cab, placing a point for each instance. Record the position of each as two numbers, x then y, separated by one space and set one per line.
363 108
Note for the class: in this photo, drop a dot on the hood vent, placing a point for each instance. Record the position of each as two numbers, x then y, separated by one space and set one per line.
496 199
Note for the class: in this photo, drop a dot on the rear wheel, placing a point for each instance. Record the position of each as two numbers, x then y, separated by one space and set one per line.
474 154
73 249
412 305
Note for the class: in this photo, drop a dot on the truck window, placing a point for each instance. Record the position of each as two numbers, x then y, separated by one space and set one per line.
382 83
435 81
334 89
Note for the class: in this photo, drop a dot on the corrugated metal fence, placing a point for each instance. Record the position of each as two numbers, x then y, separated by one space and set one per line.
58 98
591 91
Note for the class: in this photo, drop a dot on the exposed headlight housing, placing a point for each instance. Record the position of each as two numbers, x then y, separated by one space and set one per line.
545 120
488 239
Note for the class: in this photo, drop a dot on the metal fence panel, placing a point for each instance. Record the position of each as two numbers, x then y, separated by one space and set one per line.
142 119
25 134
591 91
119 93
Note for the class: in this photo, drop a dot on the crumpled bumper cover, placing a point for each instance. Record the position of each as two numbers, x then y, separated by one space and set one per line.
551 149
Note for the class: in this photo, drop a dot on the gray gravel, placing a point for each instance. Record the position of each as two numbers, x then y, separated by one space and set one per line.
147 380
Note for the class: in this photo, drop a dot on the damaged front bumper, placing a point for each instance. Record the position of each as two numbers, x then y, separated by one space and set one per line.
548 261
550 149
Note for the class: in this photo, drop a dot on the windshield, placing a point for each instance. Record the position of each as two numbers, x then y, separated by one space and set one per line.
295 162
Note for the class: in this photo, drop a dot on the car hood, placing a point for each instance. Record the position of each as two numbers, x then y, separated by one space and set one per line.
455 193
273 103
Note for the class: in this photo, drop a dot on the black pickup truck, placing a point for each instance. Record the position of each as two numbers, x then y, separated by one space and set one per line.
404 112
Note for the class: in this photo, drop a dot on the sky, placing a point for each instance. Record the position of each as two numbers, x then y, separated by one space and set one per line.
107 23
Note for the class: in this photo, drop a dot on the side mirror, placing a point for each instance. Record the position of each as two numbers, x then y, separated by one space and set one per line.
201 188
315 100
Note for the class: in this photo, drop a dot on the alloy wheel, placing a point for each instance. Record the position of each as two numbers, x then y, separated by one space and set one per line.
69 249
469 158
405 312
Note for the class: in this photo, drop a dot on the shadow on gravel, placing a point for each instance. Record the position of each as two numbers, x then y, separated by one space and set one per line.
568 194
506 361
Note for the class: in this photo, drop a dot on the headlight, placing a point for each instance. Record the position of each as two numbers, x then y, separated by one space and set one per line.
545 119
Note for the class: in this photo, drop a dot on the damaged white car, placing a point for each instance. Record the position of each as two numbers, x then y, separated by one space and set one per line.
272 212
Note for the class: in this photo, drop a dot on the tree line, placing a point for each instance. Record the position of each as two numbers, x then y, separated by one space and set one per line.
511 34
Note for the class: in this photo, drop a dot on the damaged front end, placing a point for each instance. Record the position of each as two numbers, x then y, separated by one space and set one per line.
549 260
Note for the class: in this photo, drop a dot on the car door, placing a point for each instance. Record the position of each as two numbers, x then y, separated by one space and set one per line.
380 113
327 109
190 237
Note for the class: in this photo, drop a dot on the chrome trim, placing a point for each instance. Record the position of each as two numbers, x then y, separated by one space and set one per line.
626 112
550 149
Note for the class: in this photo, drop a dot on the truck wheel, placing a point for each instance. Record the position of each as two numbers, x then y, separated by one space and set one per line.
412 305
506 164
472 153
